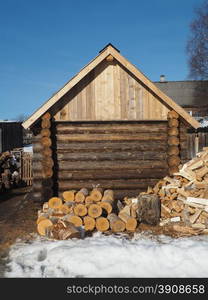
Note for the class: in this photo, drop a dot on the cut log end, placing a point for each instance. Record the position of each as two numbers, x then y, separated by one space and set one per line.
173 123
102 224
173 114
89 223
80 210
76 220
116 224
43 225
81 195
89 200
131 224
69 195
94 211
96 194
173 160
65 209
55 202
106 206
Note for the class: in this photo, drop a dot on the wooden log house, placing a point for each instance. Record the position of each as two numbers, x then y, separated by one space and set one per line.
109 126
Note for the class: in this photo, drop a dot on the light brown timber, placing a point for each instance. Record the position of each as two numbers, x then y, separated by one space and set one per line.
102 224
89 223
116 224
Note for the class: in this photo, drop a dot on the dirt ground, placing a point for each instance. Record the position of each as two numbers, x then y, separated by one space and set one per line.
17 220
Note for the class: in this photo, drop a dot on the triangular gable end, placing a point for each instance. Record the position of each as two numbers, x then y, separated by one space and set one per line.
110 52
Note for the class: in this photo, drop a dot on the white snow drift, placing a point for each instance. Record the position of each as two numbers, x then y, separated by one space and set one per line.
111 256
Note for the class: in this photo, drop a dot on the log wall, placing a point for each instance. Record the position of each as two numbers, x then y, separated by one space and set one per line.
123 156
184 142
37 187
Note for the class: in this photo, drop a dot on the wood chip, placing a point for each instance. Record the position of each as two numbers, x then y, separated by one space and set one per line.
201 201
195 216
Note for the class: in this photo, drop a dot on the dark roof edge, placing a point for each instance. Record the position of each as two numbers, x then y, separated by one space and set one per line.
106 46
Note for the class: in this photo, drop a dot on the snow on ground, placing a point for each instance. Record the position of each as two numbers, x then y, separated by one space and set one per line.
111 256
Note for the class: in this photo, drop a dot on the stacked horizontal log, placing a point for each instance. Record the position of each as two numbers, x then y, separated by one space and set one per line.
173 158
94 210
47 160
94 153
184 196
42 160
37 186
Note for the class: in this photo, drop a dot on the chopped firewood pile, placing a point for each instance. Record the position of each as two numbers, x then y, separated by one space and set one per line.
180 201
184 196
61 218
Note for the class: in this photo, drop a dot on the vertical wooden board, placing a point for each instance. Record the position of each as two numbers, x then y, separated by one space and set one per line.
145 112
189 148
122 93
73 108
164 112
79 104
69 105
162 109
92 89
98 93
206 139
131 103
117 92
155 108
140 103
102 96
96 82
57 116
83 98
90 101
151 107
109 108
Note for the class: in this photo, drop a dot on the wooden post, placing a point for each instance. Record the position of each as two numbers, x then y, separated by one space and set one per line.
173 158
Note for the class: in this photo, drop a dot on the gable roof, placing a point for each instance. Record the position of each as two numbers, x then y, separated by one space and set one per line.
105 52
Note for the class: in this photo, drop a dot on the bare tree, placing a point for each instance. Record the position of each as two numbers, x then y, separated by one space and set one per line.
197 45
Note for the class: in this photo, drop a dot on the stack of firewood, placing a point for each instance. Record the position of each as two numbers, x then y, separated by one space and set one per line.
184 196
6 167
61 218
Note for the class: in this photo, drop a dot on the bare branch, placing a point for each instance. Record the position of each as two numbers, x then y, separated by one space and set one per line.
197 45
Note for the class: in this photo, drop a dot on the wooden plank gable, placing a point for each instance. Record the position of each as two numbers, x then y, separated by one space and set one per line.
129 97
110 92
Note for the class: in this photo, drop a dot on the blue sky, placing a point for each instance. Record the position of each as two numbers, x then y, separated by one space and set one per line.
44 43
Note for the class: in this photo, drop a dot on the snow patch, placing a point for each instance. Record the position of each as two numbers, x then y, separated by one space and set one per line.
111 256
204 123
28 149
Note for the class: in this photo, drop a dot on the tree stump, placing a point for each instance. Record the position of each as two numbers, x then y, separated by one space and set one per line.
148 209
